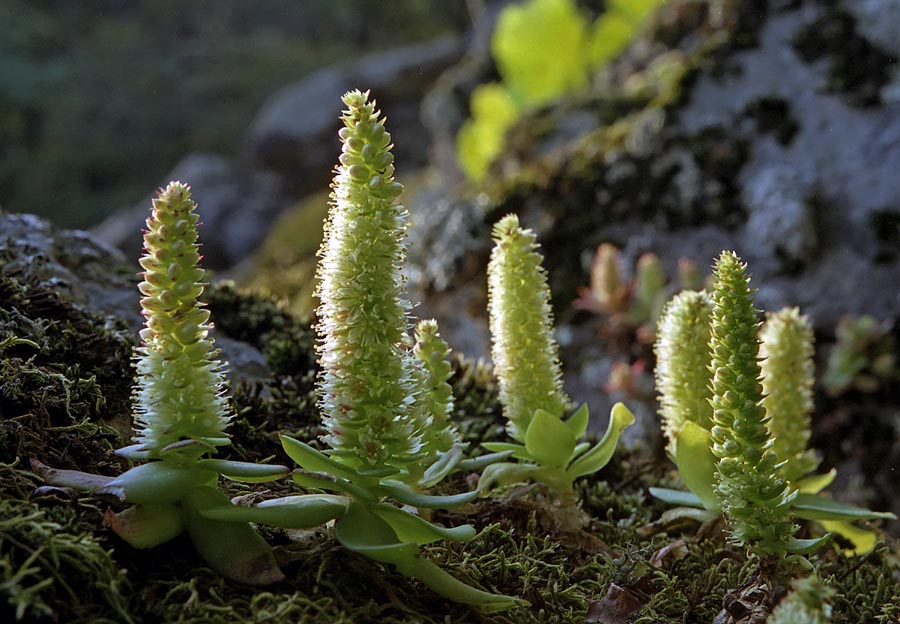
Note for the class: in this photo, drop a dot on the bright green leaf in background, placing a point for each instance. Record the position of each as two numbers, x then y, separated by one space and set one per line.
480 139
543 49
539 47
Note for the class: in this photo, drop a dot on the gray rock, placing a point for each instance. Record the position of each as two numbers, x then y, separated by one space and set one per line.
236 207
85 270
295 132
878 21
97 277
810 237
781 228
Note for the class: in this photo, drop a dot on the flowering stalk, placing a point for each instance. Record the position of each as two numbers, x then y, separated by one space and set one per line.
524 351
755 498
786 354
528 370
682 356
180 414
432 351
179 395
367 385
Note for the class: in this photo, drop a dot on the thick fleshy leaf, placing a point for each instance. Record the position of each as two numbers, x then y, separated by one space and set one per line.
677 497
403 494
156 483
477 464
815 507
445 464
696 463
803 546
376 472
443 584
620 418
693 513
245 471
504 474
146 526
313 460
548 440
411 528
362 531
578 422
323 481
580 448
69 478
863 540
518 451
816 483
292 512
233 549
134 451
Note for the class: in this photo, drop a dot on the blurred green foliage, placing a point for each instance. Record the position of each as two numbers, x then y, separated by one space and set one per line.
543 49
99 99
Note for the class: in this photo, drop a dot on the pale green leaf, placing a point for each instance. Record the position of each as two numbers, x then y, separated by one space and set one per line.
548 440
696 463
411 528
620 418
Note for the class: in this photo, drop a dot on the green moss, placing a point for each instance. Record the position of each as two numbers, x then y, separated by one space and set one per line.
51 563
64 372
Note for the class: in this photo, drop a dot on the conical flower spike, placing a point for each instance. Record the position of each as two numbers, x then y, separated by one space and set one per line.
786 352
523 348
755 499
179 395
682 364
367 385
431 351
786 356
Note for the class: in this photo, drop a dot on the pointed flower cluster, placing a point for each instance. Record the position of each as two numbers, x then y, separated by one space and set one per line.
682 356
527 365
432 351
367 384
525 353
755 498
786 354
179 393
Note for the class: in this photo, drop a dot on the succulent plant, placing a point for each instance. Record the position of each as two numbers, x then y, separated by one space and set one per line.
181 413
786 352
385 408
528 370
727 456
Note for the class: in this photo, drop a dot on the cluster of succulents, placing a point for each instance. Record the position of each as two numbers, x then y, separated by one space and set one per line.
735 402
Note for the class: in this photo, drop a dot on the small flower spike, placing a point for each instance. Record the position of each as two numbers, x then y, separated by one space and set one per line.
786 353
179 392
368 388
525 353
682 370
432 352
756 500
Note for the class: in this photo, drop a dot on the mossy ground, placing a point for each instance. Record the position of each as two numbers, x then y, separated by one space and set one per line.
58 563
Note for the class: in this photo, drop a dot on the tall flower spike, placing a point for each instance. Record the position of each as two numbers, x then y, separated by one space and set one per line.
786 353
179 394
523 348
755 499
367 385
682 360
